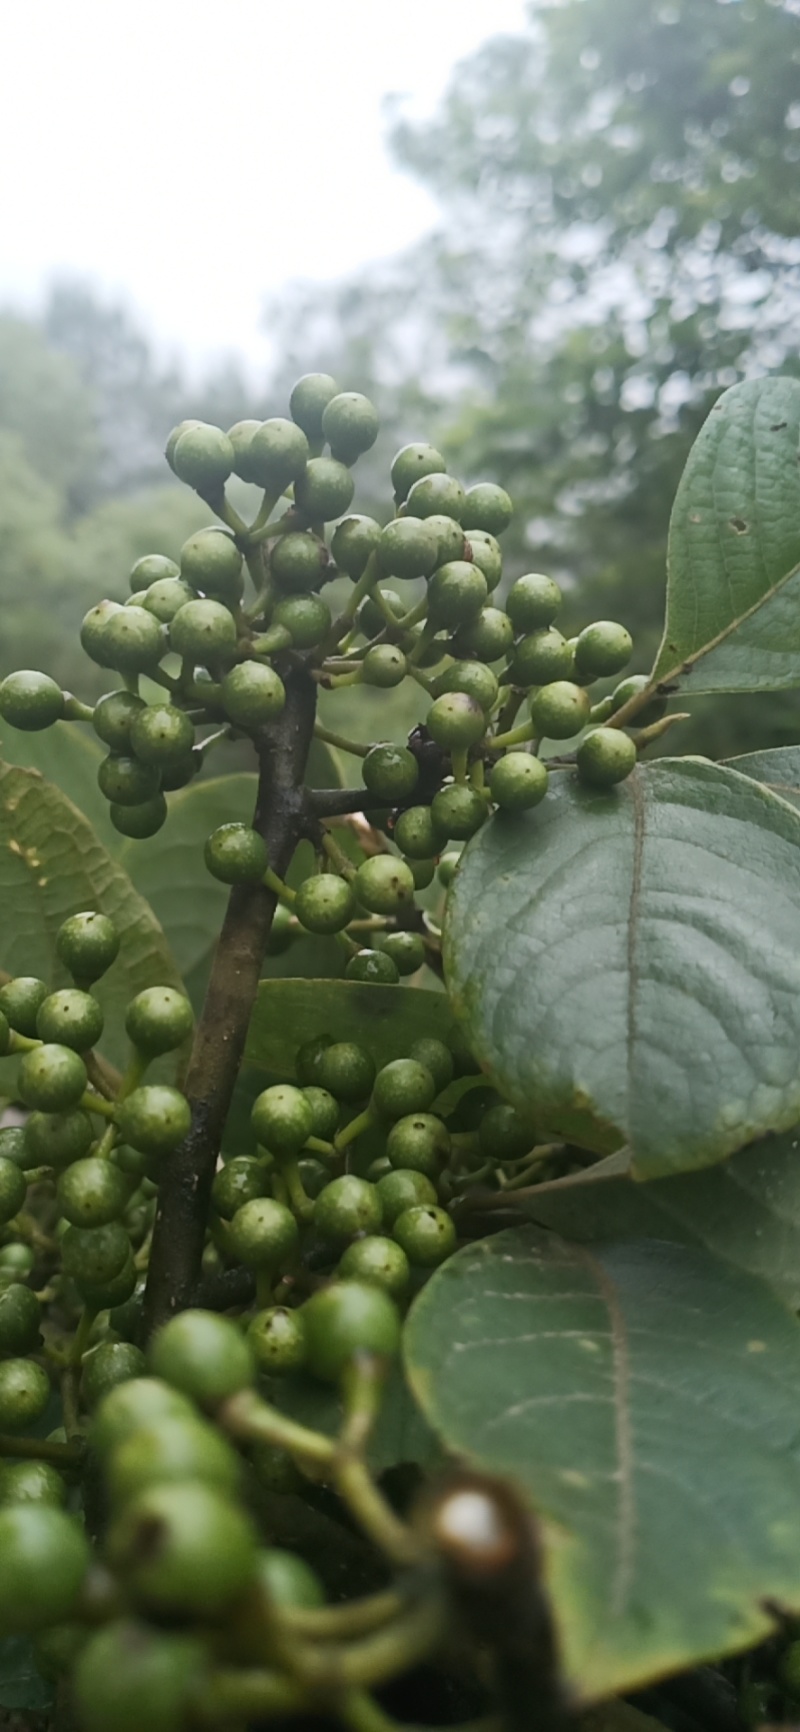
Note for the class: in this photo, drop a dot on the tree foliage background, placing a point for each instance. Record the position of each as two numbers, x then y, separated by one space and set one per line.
618 242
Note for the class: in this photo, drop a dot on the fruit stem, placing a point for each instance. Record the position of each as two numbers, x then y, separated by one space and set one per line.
93 1103
515 737
369 576
238 1698
348 1134
281 819
247 1417
338 740
62 1455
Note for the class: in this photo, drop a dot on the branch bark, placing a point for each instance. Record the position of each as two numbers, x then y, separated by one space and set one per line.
281 818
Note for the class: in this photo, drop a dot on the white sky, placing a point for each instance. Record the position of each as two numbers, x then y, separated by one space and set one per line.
193 154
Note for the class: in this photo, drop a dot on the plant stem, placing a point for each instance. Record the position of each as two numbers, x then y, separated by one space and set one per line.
62 1455
280 818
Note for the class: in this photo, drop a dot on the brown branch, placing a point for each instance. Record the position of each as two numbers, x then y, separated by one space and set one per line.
280 817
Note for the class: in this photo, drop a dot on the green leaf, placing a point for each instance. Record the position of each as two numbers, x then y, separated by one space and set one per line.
22 1687
644 1397
51 866
401 1435
777 768
626 964
69 755
746 1209
384 1019
733 595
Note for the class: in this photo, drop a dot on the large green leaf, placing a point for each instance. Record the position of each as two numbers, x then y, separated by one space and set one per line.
384 1019
22 1687
51 866
644 1397
746 1209
69 755
626 964
733 597
778 768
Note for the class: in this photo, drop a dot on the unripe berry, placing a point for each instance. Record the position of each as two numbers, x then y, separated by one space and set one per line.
238 1182
407 548
141 821
325 903
533 602
13 1187
129 1675
518 782
412 462
457 812
455 721
346 1318
306 618
70 1017
488 507
151 568
384 666
93 631
486 555
541 658
347 1206
456 593
20 1001
282 1119
203 458
378 1261
426 1234
158 1020
473 678
161 734
277 1338
252 694
205 1557
87 944
113 718
92 1192
350 425
451 542
126 1409
56 1139
372 966
504 1135
606 756
309 400
415 833
211 562
345 1070
299 563
419 1142
489 636
204 631
245 465
560 710
20 1317
24 1393
126 781
324 490
153 1118
30 701
163 599
235 854
602 649
44 1556
401 1087
403 1189
383 884
352 543
31 1482
51 1078
436 495
390 772
406 949
106 1366
436 1057
203 1355
133 640
278 453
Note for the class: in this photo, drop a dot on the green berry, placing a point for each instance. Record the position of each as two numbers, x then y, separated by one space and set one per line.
211 562
426 1234
278 453
278 1340
423 873
533 602
372 966
106 1366
87 944
456 721
203 1355
347 1318
313 1173
131 1405
12 1146
20 1002
486 555
503 1134
378 1261
30 701
113 719
414 833
324 491
52 1078
410 464
20 1316
456 593
24 1394
94 626
384 884
56 1139
488 636
403 1086
238 1182
306 618
390 772
288 1581
371 618
473 678
115 1290
347 1206
185 1549
235 854
161 734
406 949
560 710
419 1142
488 507
129 1675
13 1186
309 400
203 458
31 1482
204 631
299 563
350 425
44 1556
72 1017
307 1058
151 568
16 1259
325 903
345 1070
92 1192
252 694
602 649
133 640
241 438
126 781
282 1120
171 1450
164 599
94 1255
154 1118
407 548
631 688
451 541
384 666
352 543
436 1057
139 822
606 756
436 495
541 658
158 1020
324 1112
518 781
457 811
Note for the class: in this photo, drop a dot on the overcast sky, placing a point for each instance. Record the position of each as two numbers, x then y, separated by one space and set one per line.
192 154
